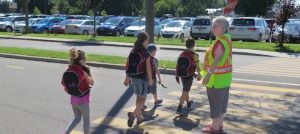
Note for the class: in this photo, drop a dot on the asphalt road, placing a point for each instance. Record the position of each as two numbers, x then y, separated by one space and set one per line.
32 101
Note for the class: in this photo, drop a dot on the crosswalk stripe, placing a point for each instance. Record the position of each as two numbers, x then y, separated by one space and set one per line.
247 103
144 128
281 70
167 115
264 73
292 67
266 88
76 132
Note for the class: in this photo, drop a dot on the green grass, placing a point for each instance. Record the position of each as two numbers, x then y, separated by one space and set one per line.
64 55
176 42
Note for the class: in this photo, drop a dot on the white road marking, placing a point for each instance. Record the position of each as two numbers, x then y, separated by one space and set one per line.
267 82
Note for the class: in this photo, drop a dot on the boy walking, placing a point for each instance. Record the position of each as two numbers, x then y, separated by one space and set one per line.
187 63
155 74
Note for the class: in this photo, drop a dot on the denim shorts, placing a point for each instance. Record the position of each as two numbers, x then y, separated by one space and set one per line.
153 89
139 86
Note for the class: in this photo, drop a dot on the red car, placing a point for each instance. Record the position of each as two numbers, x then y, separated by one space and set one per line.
60 27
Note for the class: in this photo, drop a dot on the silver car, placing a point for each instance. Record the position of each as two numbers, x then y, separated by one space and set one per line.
250 28
201 28
84 27
291 30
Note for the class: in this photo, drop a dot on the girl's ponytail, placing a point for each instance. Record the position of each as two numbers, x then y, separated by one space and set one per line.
141 38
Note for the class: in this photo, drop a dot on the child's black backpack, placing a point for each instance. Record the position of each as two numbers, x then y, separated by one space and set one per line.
136 64
74 81
186 64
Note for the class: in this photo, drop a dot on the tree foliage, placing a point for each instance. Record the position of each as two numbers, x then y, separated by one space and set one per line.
253 7
36 11
288 9
4 7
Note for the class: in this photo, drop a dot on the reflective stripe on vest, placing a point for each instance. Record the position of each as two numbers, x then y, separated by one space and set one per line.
227 67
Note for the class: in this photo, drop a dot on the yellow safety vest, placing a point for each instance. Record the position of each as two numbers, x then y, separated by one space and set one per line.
222 77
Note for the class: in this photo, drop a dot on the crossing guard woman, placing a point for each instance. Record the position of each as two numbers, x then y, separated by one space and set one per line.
218 74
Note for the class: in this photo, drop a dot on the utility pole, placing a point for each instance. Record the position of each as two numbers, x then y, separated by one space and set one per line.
150 19
26 15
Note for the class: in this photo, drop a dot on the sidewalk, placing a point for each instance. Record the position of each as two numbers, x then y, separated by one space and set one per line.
164 47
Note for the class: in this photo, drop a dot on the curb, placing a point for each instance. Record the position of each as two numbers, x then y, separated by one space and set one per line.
114 44
63 61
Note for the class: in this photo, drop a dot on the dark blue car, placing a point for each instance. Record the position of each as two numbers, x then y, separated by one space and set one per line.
115 26
44 25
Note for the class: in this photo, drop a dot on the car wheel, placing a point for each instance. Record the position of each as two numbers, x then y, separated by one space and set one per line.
259 38
181 36
85 32
45 31
8 29
118 33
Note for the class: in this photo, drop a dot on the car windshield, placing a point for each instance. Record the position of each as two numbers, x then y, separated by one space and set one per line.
166 21
76 22
43 21
203 22
175 24
66 22
139 23
7 19
113 21
243 22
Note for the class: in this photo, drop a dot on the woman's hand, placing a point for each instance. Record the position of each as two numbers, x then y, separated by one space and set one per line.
177 80
206 80
126 82
199 77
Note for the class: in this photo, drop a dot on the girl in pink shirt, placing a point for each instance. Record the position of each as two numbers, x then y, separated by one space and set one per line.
80 105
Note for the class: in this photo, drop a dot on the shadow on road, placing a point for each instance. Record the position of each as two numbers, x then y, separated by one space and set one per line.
101 129
288 124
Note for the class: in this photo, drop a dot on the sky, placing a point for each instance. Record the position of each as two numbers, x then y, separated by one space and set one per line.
298 1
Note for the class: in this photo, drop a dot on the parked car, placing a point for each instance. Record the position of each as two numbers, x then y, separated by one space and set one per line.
20 27
201 28
84 27
164 22
115 26
140 26
250 28
102 19
291 31
2 18
61 27
8 24
43 26
177 29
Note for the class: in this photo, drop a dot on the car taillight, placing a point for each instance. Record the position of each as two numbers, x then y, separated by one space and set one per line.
252 29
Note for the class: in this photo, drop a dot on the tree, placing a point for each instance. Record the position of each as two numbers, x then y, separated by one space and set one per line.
4 7
288 9
253 7
63 7
36 11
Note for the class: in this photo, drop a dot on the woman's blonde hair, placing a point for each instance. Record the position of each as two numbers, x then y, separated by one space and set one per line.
76 55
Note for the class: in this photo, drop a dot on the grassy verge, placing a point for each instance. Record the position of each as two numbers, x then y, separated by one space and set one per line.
64 55
176 42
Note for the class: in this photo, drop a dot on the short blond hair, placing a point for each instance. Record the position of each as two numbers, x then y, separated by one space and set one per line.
221 21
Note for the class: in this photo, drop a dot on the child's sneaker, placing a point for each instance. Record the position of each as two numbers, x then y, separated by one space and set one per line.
179 109
158 102
189 105
130 119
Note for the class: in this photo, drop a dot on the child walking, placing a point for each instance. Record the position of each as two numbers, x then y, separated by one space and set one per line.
187 63
155 75
79 99
138 73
